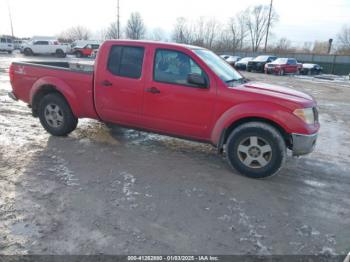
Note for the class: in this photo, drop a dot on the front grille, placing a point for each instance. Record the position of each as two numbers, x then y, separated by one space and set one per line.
314 109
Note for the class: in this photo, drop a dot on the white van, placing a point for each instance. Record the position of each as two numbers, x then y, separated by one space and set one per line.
6 44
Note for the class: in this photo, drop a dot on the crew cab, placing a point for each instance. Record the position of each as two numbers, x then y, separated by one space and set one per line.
86 50
44 47
178 90
283 66
258 63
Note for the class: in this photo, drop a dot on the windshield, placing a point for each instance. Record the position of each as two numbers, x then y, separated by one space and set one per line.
280 61
219 66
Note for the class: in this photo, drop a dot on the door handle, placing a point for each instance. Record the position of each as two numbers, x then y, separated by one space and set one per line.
106 83
153 90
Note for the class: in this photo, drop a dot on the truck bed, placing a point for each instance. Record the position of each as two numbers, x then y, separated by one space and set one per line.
77 66
74 79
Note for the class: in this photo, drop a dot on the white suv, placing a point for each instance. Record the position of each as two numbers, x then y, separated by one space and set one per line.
45 47
6 44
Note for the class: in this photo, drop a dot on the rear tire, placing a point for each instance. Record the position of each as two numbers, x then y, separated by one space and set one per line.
28 52
256 150
60 53
56 116
78 54
10 52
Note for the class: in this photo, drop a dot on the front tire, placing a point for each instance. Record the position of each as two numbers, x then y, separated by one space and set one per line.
256 150
56 116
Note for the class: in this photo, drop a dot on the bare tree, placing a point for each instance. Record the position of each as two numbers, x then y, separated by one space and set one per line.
257 21
76 33
307 47
320 47
211 32
135 28
205 32
283 45
344 40
112 31
157 34
182 32
238 31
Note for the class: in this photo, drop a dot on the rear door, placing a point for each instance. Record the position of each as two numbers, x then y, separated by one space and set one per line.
171 104
119 83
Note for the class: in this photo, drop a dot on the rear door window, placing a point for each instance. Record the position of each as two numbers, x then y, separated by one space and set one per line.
126 61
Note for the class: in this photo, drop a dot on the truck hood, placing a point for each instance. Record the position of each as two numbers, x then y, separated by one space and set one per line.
275 90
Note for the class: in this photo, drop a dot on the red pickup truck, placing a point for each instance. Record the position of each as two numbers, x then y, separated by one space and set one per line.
283 66
85 51
179 90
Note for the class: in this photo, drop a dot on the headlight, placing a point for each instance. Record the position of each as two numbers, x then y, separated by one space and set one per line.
305 114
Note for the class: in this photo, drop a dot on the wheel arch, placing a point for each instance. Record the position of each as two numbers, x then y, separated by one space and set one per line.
44 87
228 130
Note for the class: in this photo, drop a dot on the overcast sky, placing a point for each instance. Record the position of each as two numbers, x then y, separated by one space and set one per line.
300 20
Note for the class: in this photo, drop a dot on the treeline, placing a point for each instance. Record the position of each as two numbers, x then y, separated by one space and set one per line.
246 31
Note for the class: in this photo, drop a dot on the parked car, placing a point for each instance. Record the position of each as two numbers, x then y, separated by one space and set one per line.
283 66
85 51
6 44
45 47
311 69
173 89
231 59
242 64
258 63
94 53
82 43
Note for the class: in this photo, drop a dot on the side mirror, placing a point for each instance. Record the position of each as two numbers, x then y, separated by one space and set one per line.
197 79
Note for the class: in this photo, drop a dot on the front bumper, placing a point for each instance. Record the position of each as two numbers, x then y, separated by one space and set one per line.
12 95
303 144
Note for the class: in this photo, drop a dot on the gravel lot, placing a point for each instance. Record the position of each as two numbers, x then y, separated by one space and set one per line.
119 191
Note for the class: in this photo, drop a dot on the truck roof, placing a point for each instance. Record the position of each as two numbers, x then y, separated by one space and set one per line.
157 43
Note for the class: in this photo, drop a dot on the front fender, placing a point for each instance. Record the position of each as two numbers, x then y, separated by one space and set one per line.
276 113
61 87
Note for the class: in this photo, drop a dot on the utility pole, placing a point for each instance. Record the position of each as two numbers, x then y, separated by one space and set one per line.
268 26
118 21
10 16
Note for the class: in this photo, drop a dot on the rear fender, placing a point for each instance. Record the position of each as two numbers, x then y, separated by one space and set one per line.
61 86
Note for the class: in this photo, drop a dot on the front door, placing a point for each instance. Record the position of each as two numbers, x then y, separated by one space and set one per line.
119 86
173 105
